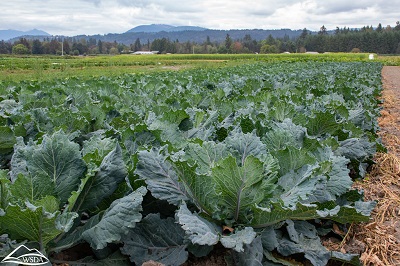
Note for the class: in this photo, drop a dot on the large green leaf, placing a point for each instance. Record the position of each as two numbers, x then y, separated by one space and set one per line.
362 118
9 107
37 222
198 230
345 213
339 181
322 123
358 211
322 181
303 238
205 156
282 110
70 120
7 140
238 239
156 239
56 160
165 130
283 135
31 188
244 145
279 139
240 187
96 148
264 217
102 184
18 164
356 149
203 125
74 237
4 189
200 189
252 254
292 158
118 219
160 176
300 185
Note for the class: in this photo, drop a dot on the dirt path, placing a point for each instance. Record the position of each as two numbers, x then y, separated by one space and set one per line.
380 238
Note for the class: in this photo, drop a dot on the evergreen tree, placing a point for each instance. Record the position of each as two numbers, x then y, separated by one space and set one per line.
270 40
300 42
137 46
379 28
208 41
5 47
304 34
322 30
397 27
250 45
100 46
37 47
228 43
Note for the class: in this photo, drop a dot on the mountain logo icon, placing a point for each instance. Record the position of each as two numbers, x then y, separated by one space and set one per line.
25 256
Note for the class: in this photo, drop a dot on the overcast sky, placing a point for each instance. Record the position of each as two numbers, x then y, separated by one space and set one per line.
74 17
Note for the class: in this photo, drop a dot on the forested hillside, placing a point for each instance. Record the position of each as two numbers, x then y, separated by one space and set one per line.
381 40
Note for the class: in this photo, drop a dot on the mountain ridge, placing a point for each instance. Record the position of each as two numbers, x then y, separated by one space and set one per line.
11 34
195 36
153 28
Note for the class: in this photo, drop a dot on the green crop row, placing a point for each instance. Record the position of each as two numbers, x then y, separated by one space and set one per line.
52 62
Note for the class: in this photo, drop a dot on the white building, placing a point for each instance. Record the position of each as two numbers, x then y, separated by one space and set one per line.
145 52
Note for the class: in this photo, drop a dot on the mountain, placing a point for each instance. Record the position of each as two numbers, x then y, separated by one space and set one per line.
10 34
189 28
163 27
197 36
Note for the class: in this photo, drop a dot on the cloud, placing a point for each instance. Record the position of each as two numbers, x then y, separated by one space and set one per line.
346 6
75 17
95 2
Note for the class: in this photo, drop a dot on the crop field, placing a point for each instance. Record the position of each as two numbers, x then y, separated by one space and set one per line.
14 68
256 156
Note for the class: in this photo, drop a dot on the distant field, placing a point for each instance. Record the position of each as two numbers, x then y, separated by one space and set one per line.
48 67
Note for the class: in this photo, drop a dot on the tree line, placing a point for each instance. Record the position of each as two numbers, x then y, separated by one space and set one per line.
381 40
61 46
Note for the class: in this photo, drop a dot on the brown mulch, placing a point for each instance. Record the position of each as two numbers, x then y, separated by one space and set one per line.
378 241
